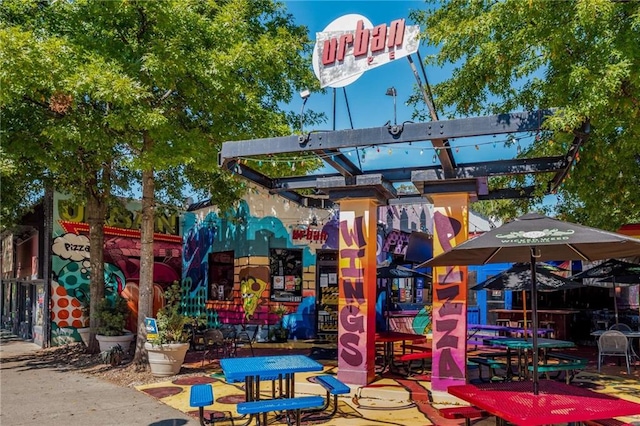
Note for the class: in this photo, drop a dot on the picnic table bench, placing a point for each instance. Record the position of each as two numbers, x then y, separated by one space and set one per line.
416 353
334 387
568 363
295 404
466 412
492 365
200 396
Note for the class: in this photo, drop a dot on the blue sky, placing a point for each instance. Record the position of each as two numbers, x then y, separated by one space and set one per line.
368 103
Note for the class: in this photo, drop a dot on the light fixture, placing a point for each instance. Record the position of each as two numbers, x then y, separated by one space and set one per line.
391 91
314 221
304 95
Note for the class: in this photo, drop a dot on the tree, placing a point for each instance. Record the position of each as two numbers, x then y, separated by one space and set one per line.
581 57
158 86
52 127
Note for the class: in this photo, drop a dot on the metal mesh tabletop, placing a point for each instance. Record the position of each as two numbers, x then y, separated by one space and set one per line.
556 402
237 369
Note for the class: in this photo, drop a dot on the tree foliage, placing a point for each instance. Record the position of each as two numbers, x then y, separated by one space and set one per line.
580 57
99 95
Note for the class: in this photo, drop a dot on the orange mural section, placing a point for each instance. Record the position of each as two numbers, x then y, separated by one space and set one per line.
357 289
450 228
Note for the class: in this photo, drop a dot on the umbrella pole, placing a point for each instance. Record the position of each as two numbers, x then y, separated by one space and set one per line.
524 312
615 301
534 319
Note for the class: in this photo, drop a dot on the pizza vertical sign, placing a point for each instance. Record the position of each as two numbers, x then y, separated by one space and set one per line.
351 45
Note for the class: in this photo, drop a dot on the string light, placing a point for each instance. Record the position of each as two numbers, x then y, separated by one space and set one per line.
297 160
434 158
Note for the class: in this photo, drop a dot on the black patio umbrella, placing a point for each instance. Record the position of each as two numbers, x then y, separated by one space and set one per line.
399 271
614 271
535 238
518 278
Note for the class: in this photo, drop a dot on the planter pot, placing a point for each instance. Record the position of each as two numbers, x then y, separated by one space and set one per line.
166 360
84 335
108 342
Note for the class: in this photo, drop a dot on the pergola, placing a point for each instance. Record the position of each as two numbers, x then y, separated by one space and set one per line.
449 185
446 177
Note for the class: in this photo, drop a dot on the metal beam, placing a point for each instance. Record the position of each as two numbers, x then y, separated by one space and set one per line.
339 161
580 137
518 166
508 193
409 132
494 194
434 173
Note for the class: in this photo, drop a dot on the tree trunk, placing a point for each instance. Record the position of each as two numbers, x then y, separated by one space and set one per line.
96 214
145 291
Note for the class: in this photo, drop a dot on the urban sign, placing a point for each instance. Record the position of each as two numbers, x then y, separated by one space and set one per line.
351 45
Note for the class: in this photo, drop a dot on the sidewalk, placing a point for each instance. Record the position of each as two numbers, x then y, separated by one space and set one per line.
33 394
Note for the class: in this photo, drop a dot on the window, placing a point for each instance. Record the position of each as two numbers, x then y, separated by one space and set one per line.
286 275
221 271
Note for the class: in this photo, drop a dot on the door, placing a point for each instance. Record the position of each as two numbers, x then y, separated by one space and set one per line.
327 294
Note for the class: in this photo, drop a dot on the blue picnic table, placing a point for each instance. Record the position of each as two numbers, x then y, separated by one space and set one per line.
252 370
522 344
280 368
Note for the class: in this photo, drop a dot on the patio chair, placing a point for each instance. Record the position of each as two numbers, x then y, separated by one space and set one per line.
229 333
214 343
614 343
242 339
620 327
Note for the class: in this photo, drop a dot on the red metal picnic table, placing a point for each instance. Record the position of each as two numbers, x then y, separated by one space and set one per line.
391 337
556 402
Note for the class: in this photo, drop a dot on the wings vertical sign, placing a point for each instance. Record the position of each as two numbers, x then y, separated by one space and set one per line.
351 45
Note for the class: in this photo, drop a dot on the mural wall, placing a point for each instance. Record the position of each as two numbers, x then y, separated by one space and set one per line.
240 266
271 244
71 266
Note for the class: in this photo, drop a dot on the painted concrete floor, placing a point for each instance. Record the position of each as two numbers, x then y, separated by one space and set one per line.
390 400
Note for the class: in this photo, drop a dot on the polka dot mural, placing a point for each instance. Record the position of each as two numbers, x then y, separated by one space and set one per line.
66 310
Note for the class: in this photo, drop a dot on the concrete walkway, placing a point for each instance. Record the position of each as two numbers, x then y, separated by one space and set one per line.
36 394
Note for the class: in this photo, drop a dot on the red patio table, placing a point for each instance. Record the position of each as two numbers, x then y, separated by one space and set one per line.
556 402
391 337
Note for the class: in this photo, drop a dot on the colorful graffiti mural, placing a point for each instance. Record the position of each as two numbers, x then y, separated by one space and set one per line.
262 223
450 294
71 266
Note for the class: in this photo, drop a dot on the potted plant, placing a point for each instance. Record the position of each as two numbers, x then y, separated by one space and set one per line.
167 350
85 330
112 317
113 356
279 332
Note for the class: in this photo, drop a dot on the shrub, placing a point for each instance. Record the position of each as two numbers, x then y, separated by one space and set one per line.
171 322
112 316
